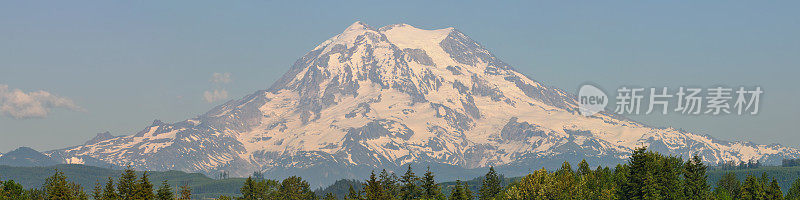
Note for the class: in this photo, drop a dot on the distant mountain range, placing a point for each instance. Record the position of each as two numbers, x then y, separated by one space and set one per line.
372 98
26 157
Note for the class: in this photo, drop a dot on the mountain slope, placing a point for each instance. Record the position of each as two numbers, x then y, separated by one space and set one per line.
25 157
381 98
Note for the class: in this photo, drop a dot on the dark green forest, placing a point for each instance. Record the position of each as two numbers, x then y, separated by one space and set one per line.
646 175
201 185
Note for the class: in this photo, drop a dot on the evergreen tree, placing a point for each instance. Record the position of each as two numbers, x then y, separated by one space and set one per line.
97 192
430 189
651 175
185 192
669 174
388 183
248 190
57 187
467 192
35 194
583 168
564 182
490 186
459 192
565 168
165 192
144 189
774 191
295 188
77 191
127 186
764 182
109 192
752 189
268 189
353 194
409 189
728 185
606 184
259 189
636 177
329 196
532 186
373 189
11 190
620 180
694 178
794 191
651 188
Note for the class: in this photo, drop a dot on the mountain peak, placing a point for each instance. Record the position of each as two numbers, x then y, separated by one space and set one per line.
358 25
355 29
26 157
100 137
157 122
23 150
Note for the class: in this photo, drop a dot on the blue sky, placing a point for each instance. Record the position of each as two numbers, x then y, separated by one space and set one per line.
125 63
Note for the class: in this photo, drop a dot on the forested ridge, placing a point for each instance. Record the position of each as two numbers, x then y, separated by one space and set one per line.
647 175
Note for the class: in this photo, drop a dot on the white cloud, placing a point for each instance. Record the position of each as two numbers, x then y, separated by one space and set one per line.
217 79
20 105
221 77
216 95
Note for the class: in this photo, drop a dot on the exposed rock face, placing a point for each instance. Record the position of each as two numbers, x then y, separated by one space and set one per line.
100 137
381 98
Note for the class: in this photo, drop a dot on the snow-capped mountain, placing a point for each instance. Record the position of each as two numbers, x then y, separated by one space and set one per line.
381 98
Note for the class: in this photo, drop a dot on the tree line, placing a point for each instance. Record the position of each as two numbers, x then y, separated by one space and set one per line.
127 187
646 175
790 162
730 165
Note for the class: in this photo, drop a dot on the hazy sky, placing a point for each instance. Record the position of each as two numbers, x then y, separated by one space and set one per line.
83 67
